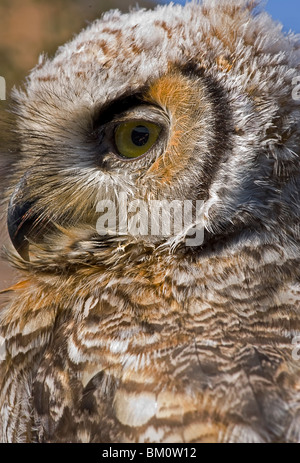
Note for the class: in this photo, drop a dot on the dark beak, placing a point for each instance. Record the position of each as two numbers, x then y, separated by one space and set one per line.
21 220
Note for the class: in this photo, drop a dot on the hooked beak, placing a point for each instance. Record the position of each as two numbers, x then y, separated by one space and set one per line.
21 220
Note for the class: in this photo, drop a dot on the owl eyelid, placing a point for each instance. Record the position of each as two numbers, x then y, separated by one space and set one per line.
139 120
153 114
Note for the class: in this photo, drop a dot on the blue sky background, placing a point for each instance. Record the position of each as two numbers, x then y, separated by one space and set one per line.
285 11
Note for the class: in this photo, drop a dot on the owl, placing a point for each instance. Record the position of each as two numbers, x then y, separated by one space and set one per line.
154 213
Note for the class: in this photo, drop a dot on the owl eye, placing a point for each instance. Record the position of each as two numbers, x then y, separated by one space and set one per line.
135 138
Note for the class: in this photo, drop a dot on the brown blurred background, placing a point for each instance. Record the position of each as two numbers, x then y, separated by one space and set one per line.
28 28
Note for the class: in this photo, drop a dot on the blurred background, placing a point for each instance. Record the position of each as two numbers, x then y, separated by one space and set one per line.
285 11
29 27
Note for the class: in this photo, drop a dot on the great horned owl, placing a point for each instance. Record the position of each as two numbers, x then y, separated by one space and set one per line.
115 336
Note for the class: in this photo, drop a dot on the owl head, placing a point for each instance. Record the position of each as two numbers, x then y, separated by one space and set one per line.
181 104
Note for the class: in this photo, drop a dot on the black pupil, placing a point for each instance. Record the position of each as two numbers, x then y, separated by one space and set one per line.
140 135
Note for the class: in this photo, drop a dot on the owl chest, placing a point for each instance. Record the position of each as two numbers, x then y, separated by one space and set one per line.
113 380
135 357
115 370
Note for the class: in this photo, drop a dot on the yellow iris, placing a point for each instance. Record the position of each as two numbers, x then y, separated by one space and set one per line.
135 138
